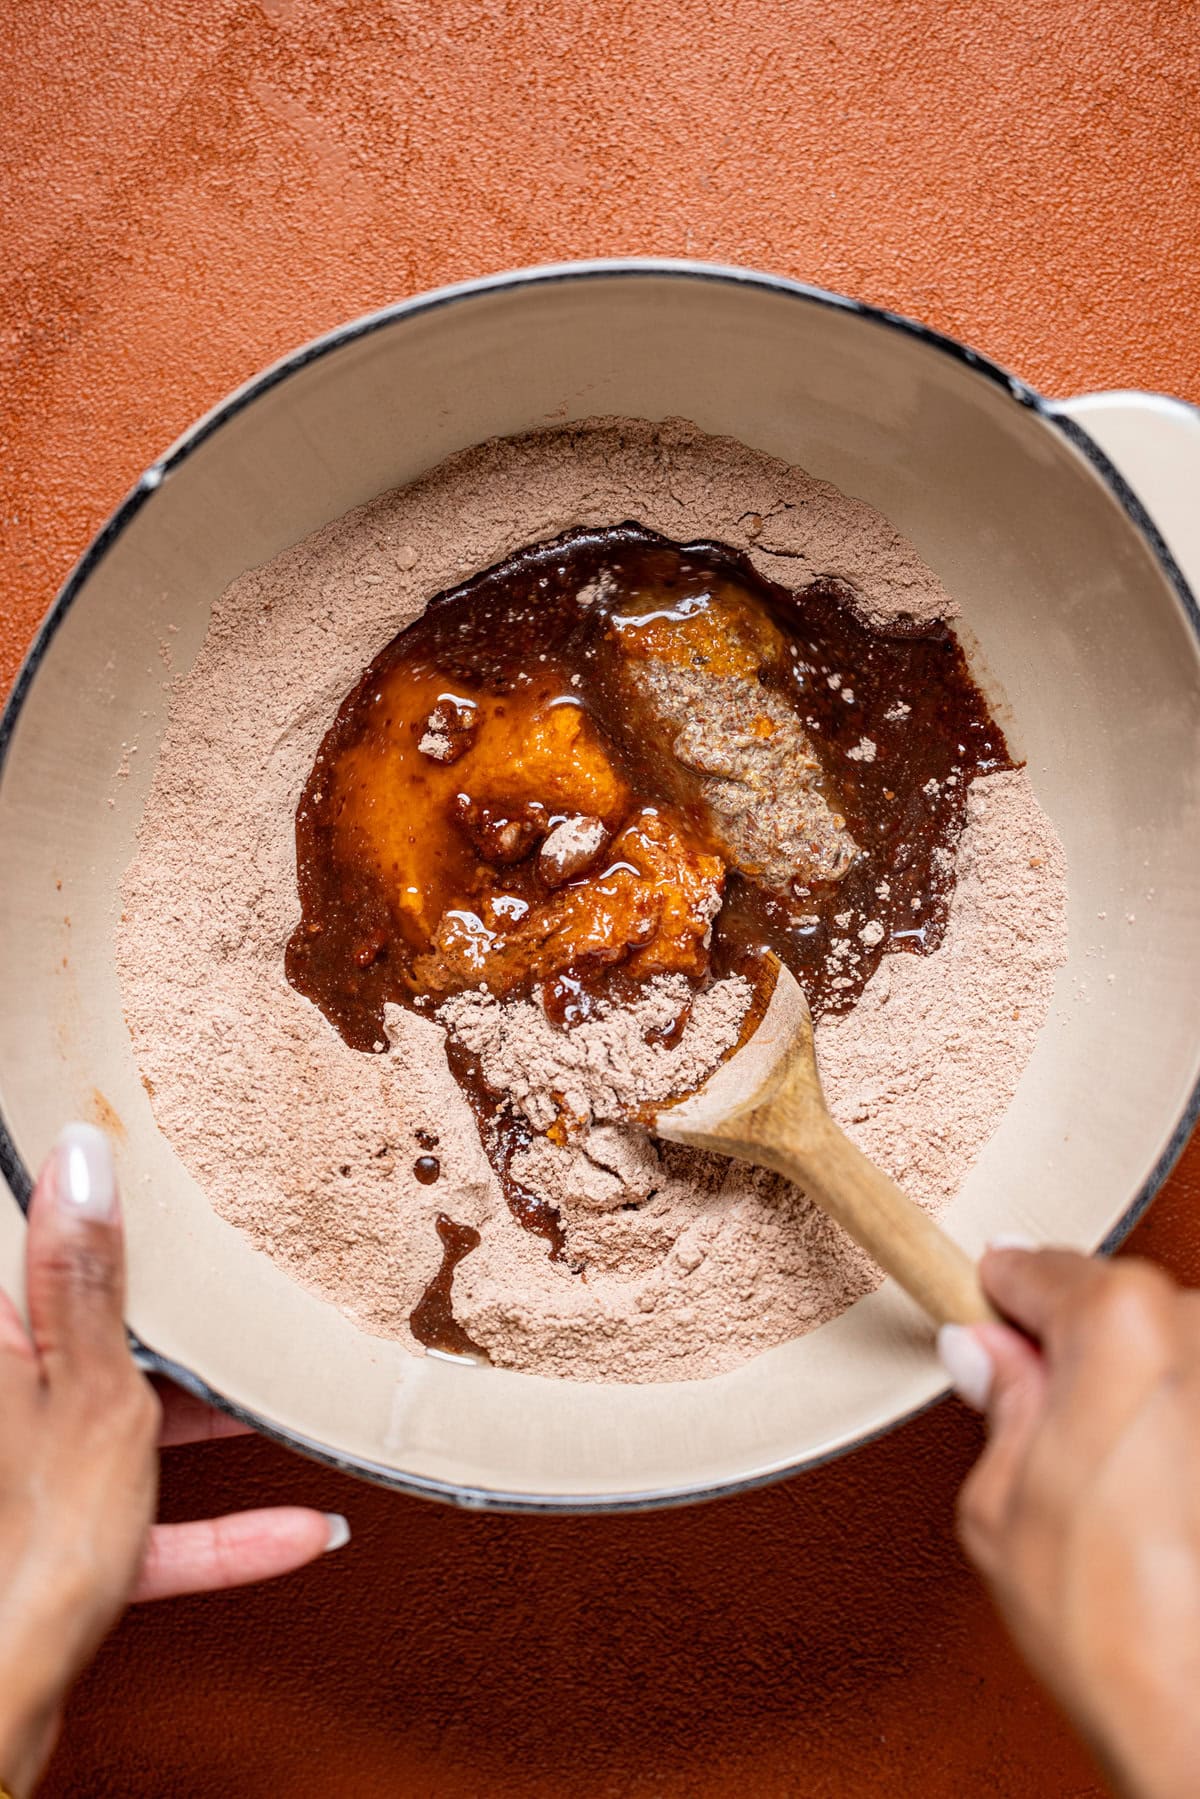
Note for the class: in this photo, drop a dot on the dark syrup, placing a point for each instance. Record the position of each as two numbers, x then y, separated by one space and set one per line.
432 1319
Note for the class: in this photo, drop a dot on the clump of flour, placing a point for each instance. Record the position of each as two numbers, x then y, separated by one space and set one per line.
692 1263
604 1066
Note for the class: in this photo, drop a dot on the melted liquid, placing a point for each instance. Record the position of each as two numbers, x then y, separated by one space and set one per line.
432 1319
521 699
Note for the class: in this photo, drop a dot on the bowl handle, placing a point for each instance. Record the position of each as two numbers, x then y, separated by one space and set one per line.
1153 442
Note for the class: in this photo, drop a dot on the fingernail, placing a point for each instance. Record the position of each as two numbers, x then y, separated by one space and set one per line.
1012 1240
967 1363
339 1532
85 1181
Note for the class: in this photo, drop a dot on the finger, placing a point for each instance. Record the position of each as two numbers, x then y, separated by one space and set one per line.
1114 1326
1015 1403
187 1419
75 1258
214 1553
1108 1344
1033 1286
1110 1333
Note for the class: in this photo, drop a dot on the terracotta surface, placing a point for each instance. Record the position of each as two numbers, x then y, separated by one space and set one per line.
191 190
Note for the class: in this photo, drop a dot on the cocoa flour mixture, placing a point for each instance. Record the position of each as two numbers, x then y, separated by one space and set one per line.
352 1155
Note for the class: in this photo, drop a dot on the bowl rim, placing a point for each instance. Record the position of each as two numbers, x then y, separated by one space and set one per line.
12 1166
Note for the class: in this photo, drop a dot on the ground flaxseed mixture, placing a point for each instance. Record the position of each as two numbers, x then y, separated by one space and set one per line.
309 1146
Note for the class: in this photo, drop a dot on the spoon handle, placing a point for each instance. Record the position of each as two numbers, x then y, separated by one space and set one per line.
892 1228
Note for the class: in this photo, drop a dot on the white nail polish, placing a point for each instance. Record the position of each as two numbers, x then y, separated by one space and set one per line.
339 1531
967 1363
1011 1240
85 1181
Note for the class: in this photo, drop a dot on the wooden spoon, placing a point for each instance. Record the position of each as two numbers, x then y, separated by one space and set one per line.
764 1104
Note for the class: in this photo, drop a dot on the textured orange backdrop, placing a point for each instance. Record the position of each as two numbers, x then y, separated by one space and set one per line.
190 190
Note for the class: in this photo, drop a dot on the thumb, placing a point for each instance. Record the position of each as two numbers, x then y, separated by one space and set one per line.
1000 1372
75 1257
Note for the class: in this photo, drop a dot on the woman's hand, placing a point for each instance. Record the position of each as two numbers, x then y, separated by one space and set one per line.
79 1428
1083 1512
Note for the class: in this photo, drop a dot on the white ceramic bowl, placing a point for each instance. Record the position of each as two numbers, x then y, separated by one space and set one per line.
1065 529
